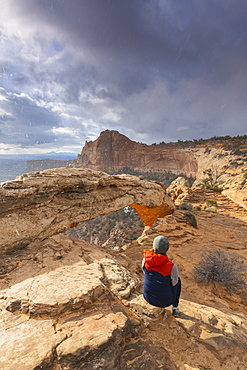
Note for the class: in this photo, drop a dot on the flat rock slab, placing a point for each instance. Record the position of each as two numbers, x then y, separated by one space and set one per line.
29 345
214 327
95 339
51 294
68 288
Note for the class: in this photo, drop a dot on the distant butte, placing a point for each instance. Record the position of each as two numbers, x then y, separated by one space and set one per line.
113 151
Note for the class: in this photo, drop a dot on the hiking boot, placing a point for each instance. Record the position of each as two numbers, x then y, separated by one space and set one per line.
175 312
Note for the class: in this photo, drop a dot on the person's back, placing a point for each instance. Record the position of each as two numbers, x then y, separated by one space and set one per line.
162 284
157 282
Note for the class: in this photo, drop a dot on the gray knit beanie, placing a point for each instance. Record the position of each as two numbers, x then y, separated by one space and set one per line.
160 245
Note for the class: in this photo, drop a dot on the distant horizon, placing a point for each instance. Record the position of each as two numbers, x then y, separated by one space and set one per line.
72 153
40 154
12 165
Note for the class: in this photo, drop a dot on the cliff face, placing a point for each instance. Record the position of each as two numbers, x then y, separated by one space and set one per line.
113 151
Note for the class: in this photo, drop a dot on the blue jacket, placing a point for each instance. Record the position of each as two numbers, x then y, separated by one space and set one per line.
157 279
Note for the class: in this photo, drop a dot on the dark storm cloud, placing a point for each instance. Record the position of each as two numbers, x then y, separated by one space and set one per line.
24 122
164 38
152 69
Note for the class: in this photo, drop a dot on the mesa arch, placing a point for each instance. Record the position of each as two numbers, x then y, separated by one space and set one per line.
38 205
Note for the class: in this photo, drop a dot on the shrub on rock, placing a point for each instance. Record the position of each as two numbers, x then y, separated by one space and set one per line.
223 267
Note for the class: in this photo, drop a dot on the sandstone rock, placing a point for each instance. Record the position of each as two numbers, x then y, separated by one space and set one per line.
179 190
94 342
217 331
140 354
8 320
100 324
113 151
72 336
214 158
67 289
119 279
235 188
108 332
56 292
144 310
175 225
38 205
29 345
216 327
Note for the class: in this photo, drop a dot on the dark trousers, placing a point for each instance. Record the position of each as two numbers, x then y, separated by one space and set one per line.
176 290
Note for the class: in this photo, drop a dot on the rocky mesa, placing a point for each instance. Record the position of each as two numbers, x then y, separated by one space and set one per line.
113 151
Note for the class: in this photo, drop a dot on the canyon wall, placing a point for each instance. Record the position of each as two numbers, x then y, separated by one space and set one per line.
113 151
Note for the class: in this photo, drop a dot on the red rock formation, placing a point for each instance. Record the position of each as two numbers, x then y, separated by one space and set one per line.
113 151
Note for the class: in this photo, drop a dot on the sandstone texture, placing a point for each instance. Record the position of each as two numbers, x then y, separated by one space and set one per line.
113 151
229 177
40 204
179 190
47 321
215 158
236 189
85 310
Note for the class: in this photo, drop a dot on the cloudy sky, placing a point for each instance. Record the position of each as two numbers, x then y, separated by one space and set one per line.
155 70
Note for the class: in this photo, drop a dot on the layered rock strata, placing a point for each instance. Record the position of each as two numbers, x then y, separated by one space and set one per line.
113 151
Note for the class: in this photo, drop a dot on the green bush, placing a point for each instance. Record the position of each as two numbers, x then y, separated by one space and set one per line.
222 267
211 203
210 180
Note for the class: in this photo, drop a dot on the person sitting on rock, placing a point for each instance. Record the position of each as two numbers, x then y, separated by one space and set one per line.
162 285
